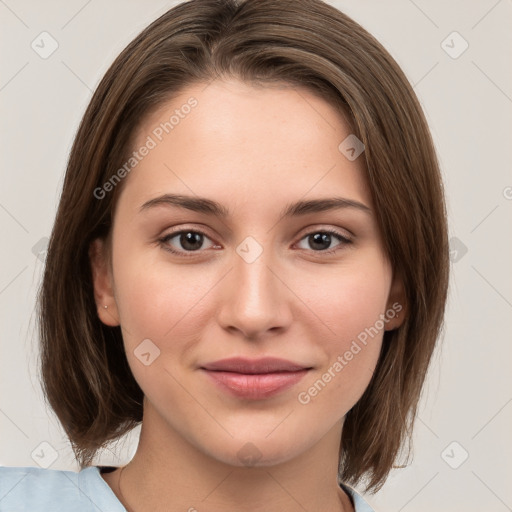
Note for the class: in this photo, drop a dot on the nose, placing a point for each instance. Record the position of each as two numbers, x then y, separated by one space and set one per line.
255 297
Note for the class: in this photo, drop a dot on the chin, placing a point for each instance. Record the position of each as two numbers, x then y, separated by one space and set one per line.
257 452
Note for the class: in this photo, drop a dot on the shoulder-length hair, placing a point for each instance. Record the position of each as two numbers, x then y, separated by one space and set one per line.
306 43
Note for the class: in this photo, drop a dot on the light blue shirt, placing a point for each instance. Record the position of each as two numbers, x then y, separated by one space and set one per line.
28 489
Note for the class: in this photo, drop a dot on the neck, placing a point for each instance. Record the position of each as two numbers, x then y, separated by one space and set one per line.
169 473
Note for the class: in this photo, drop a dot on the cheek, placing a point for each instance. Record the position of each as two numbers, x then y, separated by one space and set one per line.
153 299
350 299
350 308
167 306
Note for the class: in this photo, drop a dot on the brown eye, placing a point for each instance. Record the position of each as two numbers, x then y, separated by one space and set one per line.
321 241
184 241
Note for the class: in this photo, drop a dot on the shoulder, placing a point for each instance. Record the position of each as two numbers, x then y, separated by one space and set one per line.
360 505
38 490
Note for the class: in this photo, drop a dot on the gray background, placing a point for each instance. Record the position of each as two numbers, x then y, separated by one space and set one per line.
466 407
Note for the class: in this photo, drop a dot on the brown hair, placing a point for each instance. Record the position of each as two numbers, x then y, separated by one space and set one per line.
308 43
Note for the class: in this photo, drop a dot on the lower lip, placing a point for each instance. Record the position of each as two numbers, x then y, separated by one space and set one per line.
255 386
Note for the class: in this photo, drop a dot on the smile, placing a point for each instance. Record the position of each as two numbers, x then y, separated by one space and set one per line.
254 379
256 386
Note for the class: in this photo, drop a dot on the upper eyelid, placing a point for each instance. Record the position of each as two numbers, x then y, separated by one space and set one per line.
305 231
310 230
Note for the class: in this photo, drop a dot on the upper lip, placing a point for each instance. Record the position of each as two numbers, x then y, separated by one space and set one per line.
254 366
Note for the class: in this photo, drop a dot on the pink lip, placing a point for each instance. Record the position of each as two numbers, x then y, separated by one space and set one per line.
255 379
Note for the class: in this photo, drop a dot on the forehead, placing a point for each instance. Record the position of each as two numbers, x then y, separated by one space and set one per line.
244 144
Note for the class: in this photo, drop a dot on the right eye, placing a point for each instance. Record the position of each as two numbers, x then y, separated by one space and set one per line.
183 242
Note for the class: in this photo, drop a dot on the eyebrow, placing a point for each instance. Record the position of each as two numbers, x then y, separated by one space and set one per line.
210 207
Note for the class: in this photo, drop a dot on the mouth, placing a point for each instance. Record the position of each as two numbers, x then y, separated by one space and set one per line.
255 379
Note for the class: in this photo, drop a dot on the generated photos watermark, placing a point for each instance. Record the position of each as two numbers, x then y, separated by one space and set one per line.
157 135
305 397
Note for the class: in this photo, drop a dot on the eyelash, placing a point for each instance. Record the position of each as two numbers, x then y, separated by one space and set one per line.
190 254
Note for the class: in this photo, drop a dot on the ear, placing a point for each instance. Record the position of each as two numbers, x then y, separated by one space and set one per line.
103 283
396 308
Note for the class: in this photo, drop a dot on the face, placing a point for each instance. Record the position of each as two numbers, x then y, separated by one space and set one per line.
243 274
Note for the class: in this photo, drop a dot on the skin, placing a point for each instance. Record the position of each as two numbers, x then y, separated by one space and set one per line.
253 149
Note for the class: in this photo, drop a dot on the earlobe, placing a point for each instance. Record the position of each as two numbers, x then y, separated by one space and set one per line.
103 284
396 309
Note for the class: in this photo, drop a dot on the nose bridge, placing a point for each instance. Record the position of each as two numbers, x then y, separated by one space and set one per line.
256 283
254 300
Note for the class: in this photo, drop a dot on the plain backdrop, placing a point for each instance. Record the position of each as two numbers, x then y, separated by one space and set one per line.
457 55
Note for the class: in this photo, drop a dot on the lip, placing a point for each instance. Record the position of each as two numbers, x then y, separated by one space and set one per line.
254 366
255 379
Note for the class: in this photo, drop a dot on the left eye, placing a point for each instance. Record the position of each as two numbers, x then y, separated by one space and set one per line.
320 239
192 241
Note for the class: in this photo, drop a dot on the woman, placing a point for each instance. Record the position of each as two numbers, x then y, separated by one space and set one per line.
249 258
